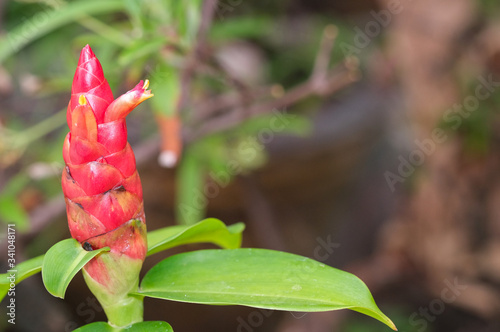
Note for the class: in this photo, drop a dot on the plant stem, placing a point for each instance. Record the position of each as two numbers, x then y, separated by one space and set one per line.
120 278
128 311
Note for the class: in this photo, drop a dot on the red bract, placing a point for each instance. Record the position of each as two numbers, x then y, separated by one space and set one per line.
101 185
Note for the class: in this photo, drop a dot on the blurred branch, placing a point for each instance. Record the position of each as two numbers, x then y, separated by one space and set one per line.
216 104
324 54
332 82
227 110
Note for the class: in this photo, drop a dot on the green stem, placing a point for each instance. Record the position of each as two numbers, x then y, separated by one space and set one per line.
119 276
127 311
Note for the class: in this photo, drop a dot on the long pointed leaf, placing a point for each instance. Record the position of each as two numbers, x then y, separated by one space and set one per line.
62 262
258 278
206 231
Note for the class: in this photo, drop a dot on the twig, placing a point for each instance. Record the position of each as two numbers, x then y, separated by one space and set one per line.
225 101
335 81
324 54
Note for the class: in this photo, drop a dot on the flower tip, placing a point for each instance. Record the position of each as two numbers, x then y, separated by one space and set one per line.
86 54
87 49
82 100
145 93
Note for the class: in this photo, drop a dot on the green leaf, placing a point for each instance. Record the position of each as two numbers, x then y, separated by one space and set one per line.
23 270
62 262
156 326
208 231
50 19
258 278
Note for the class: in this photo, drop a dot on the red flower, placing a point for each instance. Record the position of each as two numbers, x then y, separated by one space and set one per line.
101 185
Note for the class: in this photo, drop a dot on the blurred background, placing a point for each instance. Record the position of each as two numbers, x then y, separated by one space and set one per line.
363 134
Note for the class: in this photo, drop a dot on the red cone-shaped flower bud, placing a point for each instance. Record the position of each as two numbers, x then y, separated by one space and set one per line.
101 185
